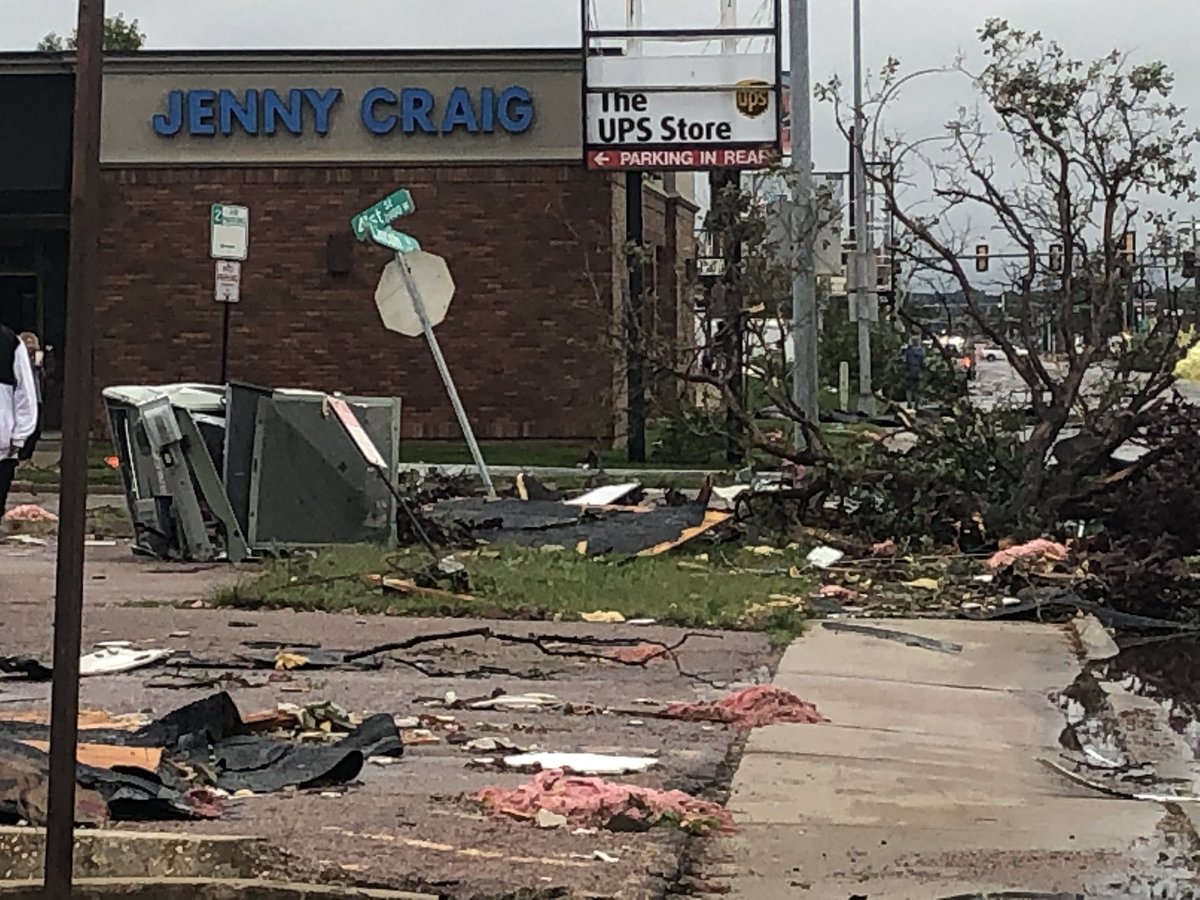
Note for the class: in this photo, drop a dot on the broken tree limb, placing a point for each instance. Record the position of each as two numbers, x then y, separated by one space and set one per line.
903 637
544 644
408 586
1112 791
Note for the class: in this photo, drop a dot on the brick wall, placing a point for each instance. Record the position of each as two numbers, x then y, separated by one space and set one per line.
668 225
526 337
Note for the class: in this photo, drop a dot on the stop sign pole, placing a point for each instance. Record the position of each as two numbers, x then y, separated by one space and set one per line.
395 305
443 370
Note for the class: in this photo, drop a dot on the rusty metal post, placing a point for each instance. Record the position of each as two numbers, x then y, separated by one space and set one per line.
77 418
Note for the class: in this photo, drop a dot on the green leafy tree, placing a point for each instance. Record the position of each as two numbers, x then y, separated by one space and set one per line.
119 36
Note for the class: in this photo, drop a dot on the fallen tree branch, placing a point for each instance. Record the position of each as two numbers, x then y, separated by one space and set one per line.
542 642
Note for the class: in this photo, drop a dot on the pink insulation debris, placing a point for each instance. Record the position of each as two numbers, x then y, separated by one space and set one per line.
1039 549
640 654
29 512
596 802
751 707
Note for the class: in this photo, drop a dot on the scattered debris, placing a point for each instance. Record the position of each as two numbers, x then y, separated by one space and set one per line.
605 496
1039 549
114 658
29 512
581 763
519 701
640 654
606 804
410 586
903 637
196 749
924 584
547 819
1117 792
490 745
752 707
823 557
599 531
604 617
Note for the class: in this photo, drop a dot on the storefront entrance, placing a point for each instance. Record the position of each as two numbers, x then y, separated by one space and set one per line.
33 298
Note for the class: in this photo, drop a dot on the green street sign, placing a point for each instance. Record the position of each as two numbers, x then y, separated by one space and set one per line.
382 214
394 240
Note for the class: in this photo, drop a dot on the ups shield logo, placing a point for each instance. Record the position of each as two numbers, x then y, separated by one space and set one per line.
752 97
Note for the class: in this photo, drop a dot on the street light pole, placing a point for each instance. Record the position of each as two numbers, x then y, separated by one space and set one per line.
803 224
864 284
77 417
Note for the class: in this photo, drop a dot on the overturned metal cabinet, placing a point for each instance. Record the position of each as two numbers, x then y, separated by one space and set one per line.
225 472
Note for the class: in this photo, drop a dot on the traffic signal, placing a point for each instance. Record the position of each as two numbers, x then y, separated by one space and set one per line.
1128 249
1189 263
1056 258
981 257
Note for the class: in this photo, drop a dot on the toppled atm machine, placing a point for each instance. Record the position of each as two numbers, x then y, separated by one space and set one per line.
229 472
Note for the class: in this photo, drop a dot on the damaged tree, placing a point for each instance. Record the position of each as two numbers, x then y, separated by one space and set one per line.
719 382
1097 147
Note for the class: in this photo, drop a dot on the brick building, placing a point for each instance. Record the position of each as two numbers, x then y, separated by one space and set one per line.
489 144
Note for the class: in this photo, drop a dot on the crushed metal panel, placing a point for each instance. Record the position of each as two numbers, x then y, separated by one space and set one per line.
199 457
310 486
241 413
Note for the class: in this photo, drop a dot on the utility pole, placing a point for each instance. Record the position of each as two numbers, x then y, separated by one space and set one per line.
77 418
803 224
865 300
635 368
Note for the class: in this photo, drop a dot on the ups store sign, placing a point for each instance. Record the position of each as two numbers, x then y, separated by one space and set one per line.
417 113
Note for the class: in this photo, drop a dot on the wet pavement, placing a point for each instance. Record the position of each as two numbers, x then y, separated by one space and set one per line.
927 783
408 825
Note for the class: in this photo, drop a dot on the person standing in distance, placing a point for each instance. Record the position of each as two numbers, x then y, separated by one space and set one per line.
37 360
18 406
914 368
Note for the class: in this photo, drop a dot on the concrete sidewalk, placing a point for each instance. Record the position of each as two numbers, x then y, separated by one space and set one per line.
925 783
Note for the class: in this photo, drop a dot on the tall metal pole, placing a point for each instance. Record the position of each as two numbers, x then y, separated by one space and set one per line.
865 299
440 361
77 418
635 364
803 225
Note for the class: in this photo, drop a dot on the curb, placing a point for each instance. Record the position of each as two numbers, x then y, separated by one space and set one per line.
1095 643
140 855
201 889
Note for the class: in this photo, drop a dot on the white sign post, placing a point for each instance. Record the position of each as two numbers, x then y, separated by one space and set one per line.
230 234
229 243
228 281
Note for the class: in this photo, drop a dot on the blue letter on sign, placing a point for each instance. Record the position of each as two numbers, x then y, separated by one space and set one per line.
201 112
322 104
514 109
231 108
370 100
460 111
290 114
416 105
168 125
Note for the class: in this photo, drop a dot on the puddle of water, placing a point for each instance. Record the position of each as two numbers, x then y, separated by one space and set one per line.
1167 671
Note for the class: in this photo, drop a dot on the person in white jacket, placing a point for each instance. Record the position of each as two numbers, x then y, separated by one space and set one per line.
18 406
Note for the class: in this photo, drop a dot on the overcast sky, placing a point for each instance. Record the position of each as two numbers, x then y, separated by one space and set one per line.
919 32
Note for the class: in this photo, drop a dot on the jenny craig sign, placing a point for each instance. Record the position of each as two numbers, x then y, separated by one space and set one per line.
209 112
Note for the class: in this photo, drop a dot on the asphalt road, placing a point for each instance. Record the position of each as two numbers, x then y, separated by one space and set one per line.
408 825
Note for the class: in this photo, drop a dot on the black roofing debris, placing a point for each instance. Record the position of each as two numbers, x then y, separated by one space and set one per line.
208 752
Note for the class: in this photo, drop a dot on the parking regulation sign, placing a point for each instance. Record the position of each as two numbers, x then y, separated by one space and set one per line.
230 231
228 281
